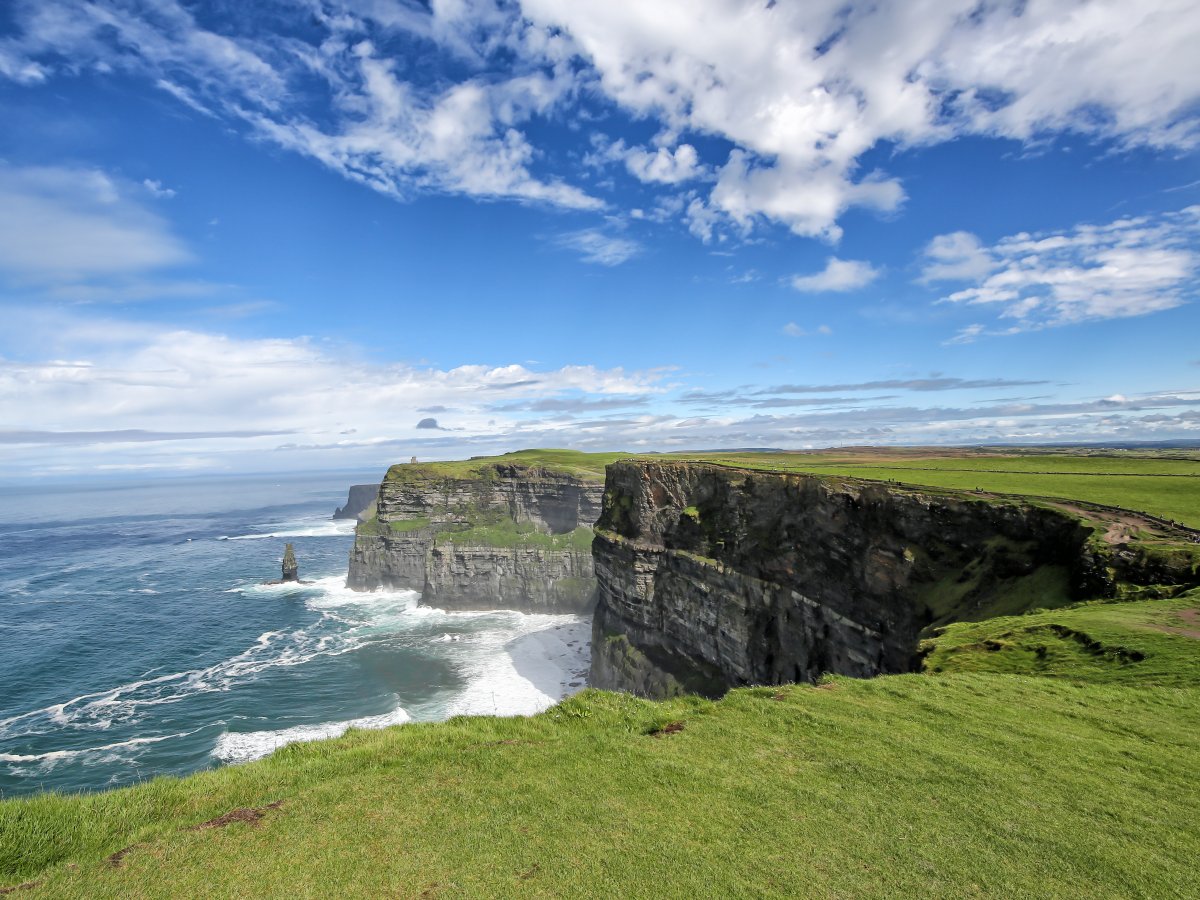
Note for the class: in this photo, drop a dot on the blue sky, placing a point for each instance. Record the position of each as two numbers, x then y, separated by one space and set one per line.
335 234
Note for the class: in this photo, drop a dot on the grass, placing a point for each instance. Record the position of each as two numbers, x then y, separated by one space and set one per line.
586 466
403 526
1168 488
1051 754
1118 643
955 786
509 534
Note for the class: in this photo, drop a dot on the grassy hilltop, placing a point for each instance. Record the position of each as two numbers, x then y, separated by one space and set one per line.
1165 484
1047 755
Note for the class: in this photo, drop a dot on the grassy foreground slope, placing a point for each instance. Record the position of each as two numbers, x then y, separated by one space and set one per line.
951 785
1046 755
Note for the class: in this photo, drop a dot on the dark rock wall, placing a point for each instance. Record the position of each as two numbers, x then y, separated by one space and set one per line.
710 577
359 502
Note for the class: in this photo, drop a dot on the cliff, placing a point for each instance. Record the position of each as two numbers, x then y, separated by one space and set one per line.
360 503
712 577
508 532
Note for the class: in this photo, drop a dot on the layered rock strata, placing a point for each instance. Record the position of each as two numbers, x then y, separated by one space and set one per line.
711 577
495 536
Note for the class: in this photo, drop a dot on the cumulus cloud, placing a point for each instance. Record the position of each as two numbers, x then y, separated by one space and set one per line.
804 90
157 189
795 94
1128 267
838 275
658 166
956 256
429 424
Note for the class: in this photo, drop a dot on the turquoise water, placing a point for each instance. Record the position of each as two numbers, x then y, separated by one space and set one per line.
137 638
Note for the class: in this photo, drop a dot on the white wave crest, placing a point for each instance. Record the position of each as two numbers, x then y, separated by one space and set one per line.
302 528
235 747
54 756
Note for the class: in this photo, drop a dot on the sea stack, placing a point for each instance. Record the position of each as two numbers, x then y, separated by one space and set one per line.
291 571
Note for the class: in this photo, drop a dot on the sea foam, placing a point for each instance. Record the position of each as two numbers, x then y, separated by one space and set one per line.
239 747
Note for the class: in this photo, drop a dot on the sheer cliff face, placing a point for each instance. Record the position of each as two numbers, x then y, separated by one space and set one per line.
432 535
360 503
711 577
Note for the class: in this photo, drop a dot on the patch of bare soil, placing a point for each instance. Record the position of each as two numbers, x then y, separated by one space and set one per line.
24 886
115 859
247 816
669 728
1192 617
1119 527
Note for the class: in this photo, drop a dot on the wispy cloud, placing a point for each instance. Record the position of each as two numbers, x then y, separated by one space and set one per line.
939 383
791 329
62 225
596 246
1129 267
796 95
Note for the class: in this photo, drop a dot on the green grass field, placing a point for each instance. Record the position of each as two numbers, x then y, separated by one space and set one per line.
1165 487
1052 754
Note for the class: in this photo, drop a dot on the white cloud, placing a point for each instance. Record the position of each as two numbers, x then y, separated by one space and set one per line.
803 90
157 189
597 247
140 397
378 128
63 225
838 275
658 166
141 383
955 256
1129 267
799 92
791 329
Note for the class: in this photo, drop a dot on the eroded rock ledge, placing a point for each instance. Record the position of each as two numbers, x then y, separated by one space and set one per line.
711 577
482 535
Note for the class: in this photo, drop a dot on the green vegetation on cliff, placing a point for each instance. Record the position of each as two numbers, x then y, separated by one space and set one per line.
965 784
1135 643
508 534
585 466
1144 482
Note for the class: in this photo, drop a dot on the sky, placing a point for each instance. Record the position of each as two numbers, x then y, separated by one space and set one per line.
308 234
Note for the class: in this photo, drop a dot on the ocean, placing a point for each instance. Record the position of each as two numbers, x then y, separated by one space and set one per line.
138 639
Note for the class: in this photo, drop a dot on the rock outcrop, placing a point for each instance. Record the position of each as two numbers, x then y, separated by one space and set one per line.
360 503
291 569
712 577
489 534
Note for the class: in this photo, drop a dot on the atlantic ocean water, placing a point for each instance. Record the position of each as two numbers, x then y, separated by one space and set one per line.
137 636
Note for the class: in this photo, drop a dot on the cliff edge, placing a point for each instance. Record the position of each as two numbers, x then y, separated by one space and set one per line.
360 503
505 532
712 577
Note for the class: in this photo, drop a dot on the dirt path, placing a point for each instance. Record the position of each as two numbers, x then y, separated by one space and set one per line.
1191 616
1120 527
